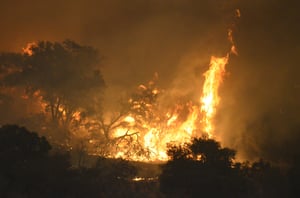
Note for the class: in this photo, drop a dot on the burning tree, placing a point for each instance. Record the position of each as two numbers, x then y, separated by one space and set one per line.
144 125
120 134
65 76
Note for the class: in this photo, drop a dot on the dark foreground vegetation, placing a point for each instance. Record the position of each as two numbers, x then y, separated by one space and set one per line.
31 168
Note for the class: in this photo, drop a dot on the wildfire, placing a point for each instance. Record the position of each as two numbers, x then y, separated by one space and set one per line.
213 78
210 98
144 130
147 128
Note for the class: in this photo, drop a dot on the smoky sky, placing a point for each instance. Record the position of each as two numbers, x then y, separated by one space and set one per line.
137 37
260 94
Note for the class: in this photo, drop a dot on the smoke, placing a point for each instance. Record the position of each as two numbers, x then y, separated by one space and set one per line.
143 37
259 96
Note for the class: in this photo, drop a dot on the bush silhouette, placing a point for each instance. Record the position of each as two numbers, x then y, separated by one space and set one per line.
201 168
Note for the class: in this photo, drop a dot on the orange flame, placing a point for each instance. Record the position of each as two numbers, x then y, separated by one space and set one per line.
153 127
213 78
210 98
28 49
172 126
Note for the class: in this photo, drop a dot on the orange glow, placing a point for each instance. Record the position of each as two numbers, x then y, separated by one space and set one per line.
213 79
143 132
154 134
153 127
189 125
76 116
210 98
238 13
129 119
28 49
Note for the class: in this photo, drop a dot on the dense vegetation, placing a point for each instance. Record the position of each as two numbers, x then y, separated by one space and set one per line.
204 168
30 168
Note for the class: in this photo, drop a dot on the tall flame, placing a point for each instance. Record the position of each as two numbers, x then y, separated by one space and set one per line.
153 128
210 98
213 78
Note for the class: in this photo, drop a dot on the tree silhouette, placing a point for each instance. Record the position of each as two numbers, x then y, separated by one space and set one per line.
66 75
19 144
22 156
209 151
201 168
27 169
267 180
204 168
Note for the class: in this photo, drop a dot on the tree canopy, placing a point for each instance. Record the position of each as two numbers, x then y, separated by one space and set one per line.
65 75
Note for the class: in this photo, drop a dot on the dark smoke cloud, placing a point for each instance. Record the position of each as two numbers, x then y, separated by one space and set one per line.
260 95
